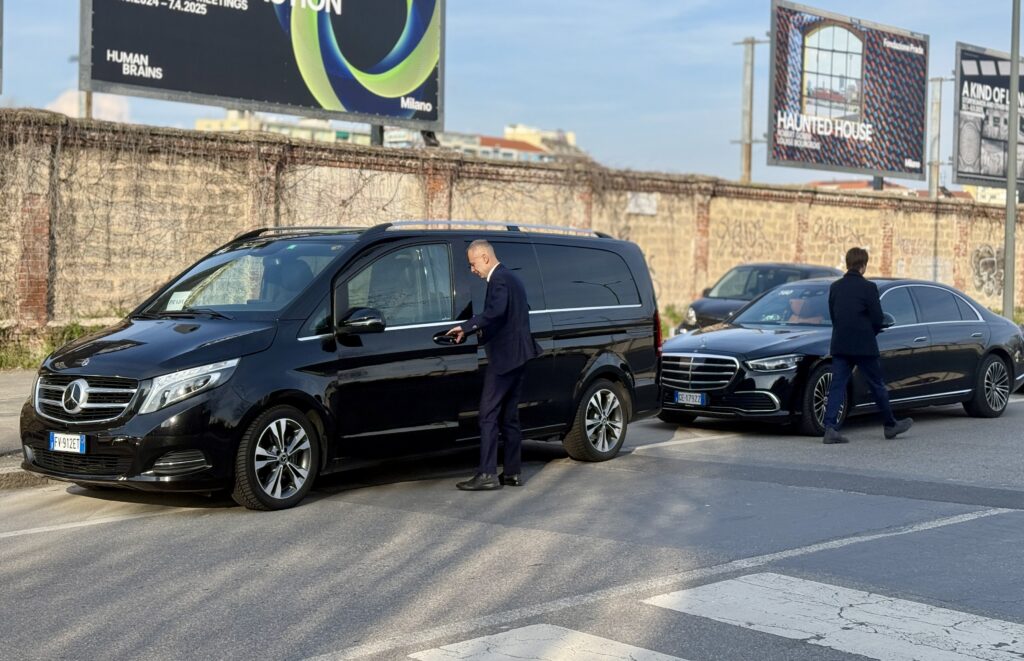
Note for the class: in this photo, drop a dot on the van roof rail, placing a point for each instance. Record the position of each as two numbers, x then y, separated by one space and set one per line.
508 226
270 231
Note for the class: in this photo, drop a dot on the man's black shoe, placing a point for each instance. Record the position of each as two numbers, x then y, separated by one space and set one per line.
897 429
480 482
512 480
832 436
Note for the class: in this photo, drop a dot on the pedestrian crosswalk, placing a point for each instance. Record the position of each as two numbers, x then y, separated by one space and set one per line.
541 642
867 624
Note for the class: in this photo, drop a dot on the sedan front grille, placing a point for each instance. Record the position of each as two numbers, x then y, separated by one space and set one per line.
102 399
695 372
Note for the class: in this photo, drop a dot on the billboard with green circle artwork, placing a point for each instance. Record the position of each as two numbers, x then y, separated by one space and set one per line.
378 61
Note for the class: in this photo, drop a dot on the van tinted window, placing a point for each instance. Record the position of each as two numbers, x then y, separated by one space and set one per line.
408 286
517 257
585 277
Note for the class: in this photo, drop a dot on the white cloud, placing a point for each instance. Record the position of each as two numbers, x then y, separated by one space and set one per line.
104 106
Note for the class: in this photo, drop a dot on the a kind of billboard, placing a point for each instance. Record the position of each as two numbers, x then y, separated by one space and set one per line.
847 95
377 61
982 117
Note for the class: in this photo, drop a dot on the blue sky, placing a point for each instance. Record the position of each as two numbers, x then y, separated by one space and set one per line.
645 84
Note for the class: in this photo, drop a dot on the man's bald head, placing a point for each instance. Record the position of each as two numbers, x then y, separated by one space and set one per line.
481 257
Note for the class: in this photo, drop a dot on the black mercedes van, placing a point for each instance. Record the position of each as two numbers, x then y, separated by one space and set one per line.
291 352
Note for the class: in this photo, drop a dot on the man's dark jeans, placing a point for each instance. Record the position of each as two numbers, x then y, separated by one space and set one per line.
842 367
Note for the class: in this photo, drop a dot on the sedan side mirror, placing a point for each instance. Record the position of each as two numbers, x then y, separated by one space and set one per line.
706 292
888 321
360 321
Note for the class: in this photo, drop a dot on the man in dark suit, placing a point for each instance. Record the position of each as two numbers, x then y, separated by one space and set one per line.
504 330
856 321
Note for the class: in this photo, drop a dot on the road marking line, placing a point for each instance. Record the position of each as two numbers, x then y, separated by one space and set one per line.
685 441
389 643
541 642
83 524
852 621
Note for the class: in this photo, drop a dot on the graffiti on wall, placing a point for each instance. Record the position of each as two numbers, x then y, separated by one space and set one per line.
987 269
743 240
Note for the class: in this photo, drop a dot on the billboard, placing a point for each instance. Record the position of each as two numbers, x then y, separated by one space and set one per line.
846 94
981 118
375 61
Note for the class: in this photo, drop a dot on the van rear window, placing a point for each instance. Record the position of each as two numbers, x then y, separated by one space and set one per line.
576 277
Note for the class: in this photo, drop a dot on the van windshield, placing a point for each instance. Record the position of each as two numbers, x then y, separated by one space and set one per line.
257 276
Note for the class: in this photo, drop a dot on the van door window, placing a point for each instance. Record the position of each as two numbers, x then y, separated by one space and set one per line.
520 259
408 286
585 277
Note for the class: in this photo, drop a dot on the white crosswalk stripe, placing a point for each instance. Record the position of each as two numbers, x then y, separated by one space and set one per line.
541 642
853 621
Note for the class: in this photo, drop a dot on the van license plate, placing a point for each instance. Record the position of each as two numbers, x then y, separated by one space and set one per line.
67 442
692 398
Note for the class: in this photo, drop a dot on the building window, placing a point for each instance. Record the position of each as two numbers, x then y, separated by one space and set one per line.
832 72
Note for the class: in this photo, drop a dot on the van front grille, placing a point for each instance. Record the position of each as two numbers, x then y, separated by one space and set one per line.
98 399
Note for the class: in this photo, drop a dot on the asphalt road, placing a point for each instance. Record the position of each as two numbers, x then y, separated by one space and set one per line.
721 541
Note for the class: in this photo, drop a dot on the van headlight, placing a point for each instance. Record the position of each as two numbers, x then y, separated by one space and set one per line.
775 363
174 387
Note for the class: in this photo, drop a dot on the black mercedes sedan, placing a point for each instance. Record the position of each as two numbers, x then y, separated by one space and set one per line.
740 285
771 360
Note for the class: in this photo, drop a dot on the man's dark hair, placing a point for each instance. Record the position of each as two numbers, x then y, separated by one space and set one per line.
856 259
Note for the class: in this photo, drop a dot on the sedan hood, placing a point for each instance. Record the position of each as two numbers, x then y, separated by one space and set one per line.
753 341
144 348
714 310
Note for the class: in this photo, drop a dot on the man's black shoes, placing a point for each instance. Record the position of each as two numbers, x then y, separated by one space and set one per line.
897 429
480 482
511 480
832 437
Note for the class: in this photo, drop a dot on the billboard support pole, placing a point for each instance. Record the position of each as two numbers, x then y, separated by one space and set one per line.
936 132
1009 244
377 135
747 118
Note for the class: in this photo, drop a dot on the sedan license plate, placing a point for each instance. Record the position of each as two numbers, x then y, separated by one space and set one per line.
692 398
67 442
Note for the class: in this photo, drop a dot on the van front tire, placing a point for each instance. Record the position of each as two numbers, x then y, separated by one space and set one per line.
277 461
600 425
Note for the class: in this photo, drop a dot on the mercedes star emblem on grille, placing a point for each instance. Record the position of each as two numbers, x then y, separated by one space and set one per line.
76 396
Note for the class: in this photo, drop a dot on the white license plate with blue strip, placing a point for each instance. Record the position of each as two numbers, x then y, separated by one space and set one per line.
74 443
692 398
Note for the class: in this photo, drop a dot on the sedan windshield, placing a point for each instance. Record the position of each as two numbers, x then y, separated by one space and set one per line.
262 275
746 283
789 305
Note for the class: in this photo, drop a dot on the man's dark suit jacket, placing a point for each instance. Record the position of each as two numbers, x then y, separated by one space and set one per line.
504 324
856 315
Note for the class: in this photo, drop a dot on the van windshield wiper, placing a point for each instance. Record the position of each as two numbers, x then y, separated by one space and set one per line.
191 312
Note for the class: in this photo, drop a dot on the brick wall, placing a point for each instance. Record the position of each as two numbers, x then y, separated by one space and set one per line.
94 216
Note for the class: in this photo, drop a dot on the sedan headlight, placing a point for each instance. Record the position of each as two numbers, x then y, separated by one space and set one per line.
174 387
775 363
691 316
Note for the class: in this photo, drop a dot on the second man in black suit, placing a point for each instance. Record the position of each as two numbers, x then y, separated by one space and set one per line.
504 330
856 313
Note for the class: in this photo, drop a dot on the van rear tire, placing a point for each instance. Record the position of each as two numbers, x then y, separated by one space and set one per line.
600 424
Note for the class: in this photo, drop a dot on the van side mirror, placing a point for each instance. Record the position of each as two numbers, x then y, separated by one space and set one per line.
706 292
888 321
360 321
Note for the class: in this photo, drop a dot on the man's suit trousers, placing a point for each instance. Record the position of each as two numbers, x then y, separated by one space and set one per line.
499 418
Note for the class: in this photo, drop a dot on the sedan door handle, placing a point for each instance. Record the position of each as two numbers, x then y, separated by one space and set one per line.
920 339
977 334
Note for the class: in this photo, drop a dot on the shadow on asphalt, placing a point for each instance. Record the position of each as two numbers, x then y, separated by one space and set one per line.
455 464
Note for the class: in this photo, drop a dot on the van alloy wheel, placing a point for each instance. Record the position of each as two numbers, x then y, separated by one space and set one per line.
997 385
282 459
604 420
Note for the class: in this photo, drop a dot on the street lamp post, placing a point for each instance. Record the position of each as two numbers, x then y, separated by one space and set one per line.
1009 244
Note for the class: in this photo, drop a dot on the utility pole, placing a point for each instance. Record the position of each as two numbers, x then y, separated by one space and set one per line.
936 131
1009 244
747 118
